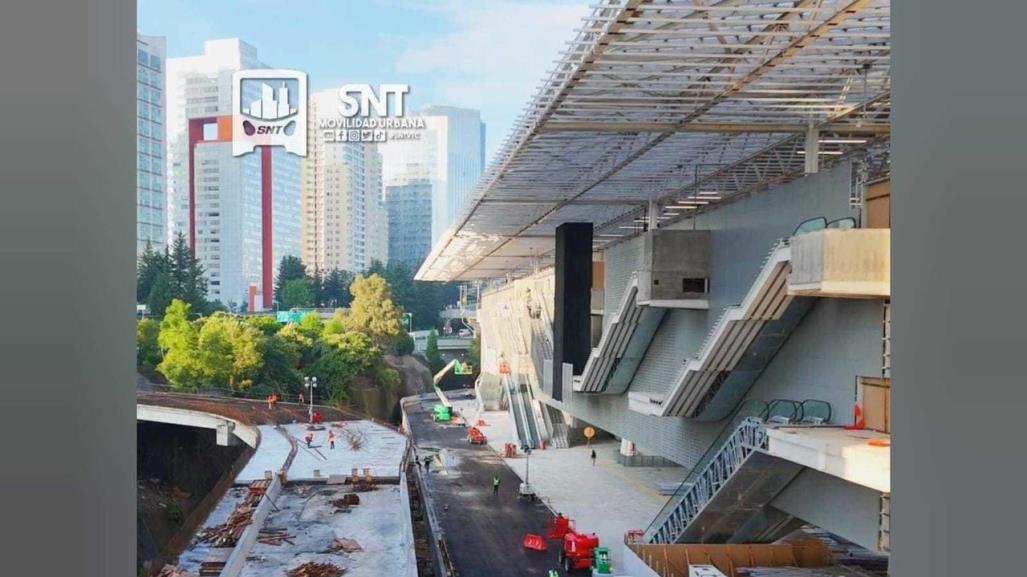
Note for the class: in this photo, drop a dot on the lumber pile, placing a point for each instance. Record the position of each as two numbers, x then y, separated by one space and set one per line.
313 569
274 536
211 568
227 534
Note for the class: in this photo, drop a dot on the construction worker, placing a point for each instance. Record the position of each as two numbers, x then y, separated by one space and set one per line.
309 438
331 440
593 457
495 484
554 573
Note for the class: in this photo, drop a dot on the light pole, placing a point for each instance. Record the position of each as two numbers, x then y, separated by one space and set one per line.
310 383
527 465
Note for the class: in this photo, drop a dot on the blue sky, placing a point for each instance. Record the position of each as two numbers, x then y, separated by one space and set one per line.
484 54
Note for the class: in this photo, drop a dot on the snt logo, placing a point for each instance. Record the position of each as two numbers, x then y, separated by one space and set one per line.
269 108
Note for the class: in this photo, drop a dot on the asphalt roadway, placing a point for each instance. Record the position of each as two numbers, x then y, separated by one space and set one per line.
483 532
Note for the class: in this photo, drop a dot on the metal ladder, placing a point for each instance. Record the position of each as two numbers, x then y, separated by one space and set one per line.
690 499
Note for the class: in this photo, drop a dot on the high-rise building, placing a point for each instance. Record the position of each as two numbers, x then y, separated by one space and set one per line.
150 170
240 215
345 226
450 152
409 206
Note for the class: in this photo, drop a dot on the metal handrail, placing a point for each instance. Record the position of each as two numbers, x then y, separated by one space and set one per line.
688 501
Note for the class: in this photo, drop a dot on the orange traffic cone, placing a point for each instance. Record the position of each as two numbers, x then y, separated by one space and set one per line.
859 422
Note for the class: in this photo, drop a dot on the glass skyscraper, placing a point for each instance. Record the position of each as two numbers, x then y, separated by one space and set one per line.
150 138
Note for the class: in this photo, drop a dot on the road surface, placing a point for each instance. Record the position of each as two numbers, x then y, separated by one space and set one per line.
483 532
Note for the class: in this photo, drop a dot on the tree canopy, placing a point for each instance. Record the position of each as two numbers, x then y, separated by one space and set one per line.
372 311
173 274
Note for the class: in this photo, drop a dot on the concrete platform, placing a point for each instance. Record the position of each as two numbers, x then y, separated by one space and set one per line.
271 455
836 451
379 524
607 498
382 450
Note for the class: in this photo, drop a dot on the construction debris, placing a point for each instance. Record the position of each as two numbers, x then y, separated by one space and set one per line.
355 438
174 571
210 568
312 569
347 500
272 536
344 544
227 534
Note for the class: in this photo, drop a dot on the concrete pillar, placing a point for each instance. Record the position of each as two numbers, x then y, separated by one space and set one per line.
812 149
627 448
226 434
572 300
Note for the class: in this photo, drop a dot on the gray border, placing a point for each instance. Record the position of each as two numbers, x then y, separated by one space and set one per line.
66 178
67 252
960 397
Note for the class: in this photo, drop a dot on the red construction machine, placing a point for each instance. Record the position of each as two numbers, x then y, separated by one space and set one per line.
576 550
475 436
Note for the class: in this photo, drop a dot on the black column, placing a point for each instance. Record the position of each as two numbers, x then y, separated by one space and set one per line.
572 305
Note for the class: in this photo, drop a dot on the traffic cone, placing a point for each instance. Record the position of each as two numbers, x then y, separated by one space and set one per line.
859 423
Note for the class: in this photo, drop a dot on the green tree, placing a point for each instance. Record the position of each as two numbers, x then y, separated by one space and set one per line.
296 293
404 344
151 265
162 292
289 268
335 289
231 351
432 354
340 358
263 323
310 325
283 359
187 276
337 324
147 348
178 339
373 311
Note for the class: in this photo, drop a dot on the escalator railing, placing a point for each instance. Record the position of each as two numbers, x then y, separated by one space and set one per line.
751 409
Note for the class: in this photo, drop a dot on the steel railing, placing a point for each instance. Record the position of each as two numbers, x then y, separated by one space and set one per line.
693 496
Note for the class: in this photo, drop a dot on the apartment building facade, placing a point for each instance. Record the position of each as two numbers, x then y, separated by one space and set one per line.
345 222
240 215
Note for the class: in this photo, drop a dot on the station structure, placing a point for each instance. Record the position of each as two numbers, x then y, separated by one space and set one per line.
685 243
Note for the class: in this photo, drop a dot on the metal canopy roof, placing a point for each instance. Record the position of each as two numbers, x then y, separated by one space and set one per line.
674 106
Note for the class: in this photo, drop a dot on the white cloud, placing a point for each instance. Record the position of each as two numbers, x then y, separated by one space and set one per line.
495 57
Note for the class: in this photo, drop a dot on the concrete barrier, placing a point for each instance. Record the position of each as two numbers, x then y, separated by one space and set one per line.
237 559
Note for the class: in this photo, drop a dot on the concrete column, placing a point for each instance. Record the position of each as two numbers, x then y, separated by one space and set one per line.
572 300
812 149
627 448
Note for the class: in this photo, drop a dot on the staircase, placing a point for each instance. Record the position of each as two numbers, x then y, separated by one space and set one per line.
725 500
611 365
741 344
